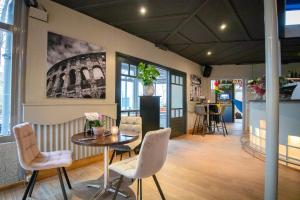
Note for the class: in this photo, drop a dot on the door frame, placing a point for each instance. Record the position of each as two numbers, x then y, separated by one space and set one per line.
183 74
137 60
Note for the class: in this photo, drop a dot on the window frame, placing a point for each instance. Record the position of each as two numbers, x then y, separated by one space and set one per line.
18 30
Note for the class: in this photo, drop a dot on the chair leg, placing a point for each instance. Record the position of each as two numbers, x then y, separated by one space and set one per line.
67 178
159 188
195 124
118 187
198 124
141 190
33 183
121 157
217 126
129 153
203 126
224 125
29 185
112 157
61 183
138 189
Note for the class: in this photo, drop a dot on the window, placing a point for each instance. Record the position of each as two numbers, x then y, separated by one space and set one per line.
292 14
292 17
5 80
7 11
9 62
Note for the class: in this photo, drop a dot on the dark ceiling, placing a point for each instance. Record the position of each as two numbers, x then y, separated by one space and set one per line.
191 28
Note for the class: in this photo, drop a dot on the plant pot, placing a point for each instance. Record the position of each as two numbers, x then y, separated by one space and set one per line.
98 130
148 90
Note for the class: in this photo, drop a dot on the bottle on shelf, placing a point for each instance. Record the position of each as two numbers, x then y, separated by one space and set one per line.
289 74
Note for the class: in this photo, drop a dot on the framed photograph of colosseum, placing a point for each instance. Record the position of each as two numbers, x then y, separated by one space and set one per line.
75 68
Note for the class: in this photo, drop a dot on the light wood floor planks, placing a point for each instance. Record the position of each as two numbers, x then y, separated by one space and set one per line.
209 168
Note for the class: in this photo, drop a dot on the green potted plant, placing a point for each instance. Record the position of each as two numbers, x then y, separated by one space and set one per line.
147 75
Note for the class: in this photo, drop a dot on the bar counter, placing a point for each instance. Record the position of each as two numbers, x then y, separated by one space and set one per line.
289 129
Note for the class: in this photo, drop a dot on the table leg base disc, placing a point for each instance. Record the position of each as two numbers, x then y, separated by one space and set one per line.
120 192
111 189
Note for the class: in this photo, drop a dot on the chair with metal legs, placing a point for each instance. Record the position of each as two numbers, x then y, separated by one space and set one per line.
31 159
150 160
131 126
218 117
200 119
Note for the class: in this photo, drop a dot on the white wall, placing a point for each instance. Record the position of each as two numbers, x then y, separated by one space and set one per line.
39 108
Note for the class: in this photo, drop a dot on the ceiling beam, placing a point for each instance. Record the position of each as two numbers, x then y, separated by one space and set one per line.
150 19
233 9
185 21
98 4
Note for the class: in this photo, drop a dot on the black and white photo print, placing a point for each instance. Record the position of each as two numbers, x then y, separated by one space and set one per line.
76 69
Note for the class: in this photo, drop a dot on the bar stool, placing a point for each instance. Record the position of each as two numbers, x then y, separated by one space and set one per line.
200 116
218 117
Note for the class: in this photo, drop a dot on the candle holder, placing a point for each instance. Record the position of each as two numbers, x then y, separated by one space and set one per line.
114 130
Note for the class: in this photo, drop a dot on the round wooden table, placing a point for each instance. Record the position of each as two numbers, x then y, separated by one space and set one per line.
105 142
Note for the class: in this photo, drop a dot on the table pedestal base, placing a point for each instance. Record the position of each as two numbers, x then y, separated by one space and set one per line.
107 187
110 189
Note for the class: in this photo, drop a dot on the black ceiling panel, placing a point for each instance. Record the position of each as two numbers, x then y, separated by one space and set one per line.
197 32
252 15
149 26
195 50
111 12
217 12
192 27
153 37
178 48
178 39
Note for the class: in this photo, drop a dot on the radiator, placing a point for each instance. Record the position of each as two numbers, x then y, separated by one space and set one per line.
10 170
54 137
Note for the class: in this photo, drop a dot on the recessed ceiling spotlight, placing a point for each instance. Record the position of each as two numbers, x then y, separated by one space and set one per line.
208 53
223 27
143 10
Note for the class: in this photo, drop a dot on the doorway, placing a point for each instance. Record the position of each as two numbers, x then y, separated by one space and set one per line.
230 93
170 86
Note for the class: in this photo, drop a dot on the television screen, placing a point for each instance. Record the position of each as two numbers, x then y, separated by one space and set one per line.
224 96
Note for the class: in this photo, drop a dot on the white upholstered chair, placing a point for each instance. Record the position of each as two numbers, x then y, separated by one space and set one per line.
150 160
31 159
131 126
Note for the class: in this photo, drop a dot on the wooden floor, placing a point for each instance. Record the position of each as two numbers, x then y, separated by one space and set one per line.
210 167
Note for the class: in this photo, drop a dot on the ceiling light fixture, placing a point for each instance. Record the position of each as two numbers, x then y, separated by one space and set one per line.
143 10
208 53
223 27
